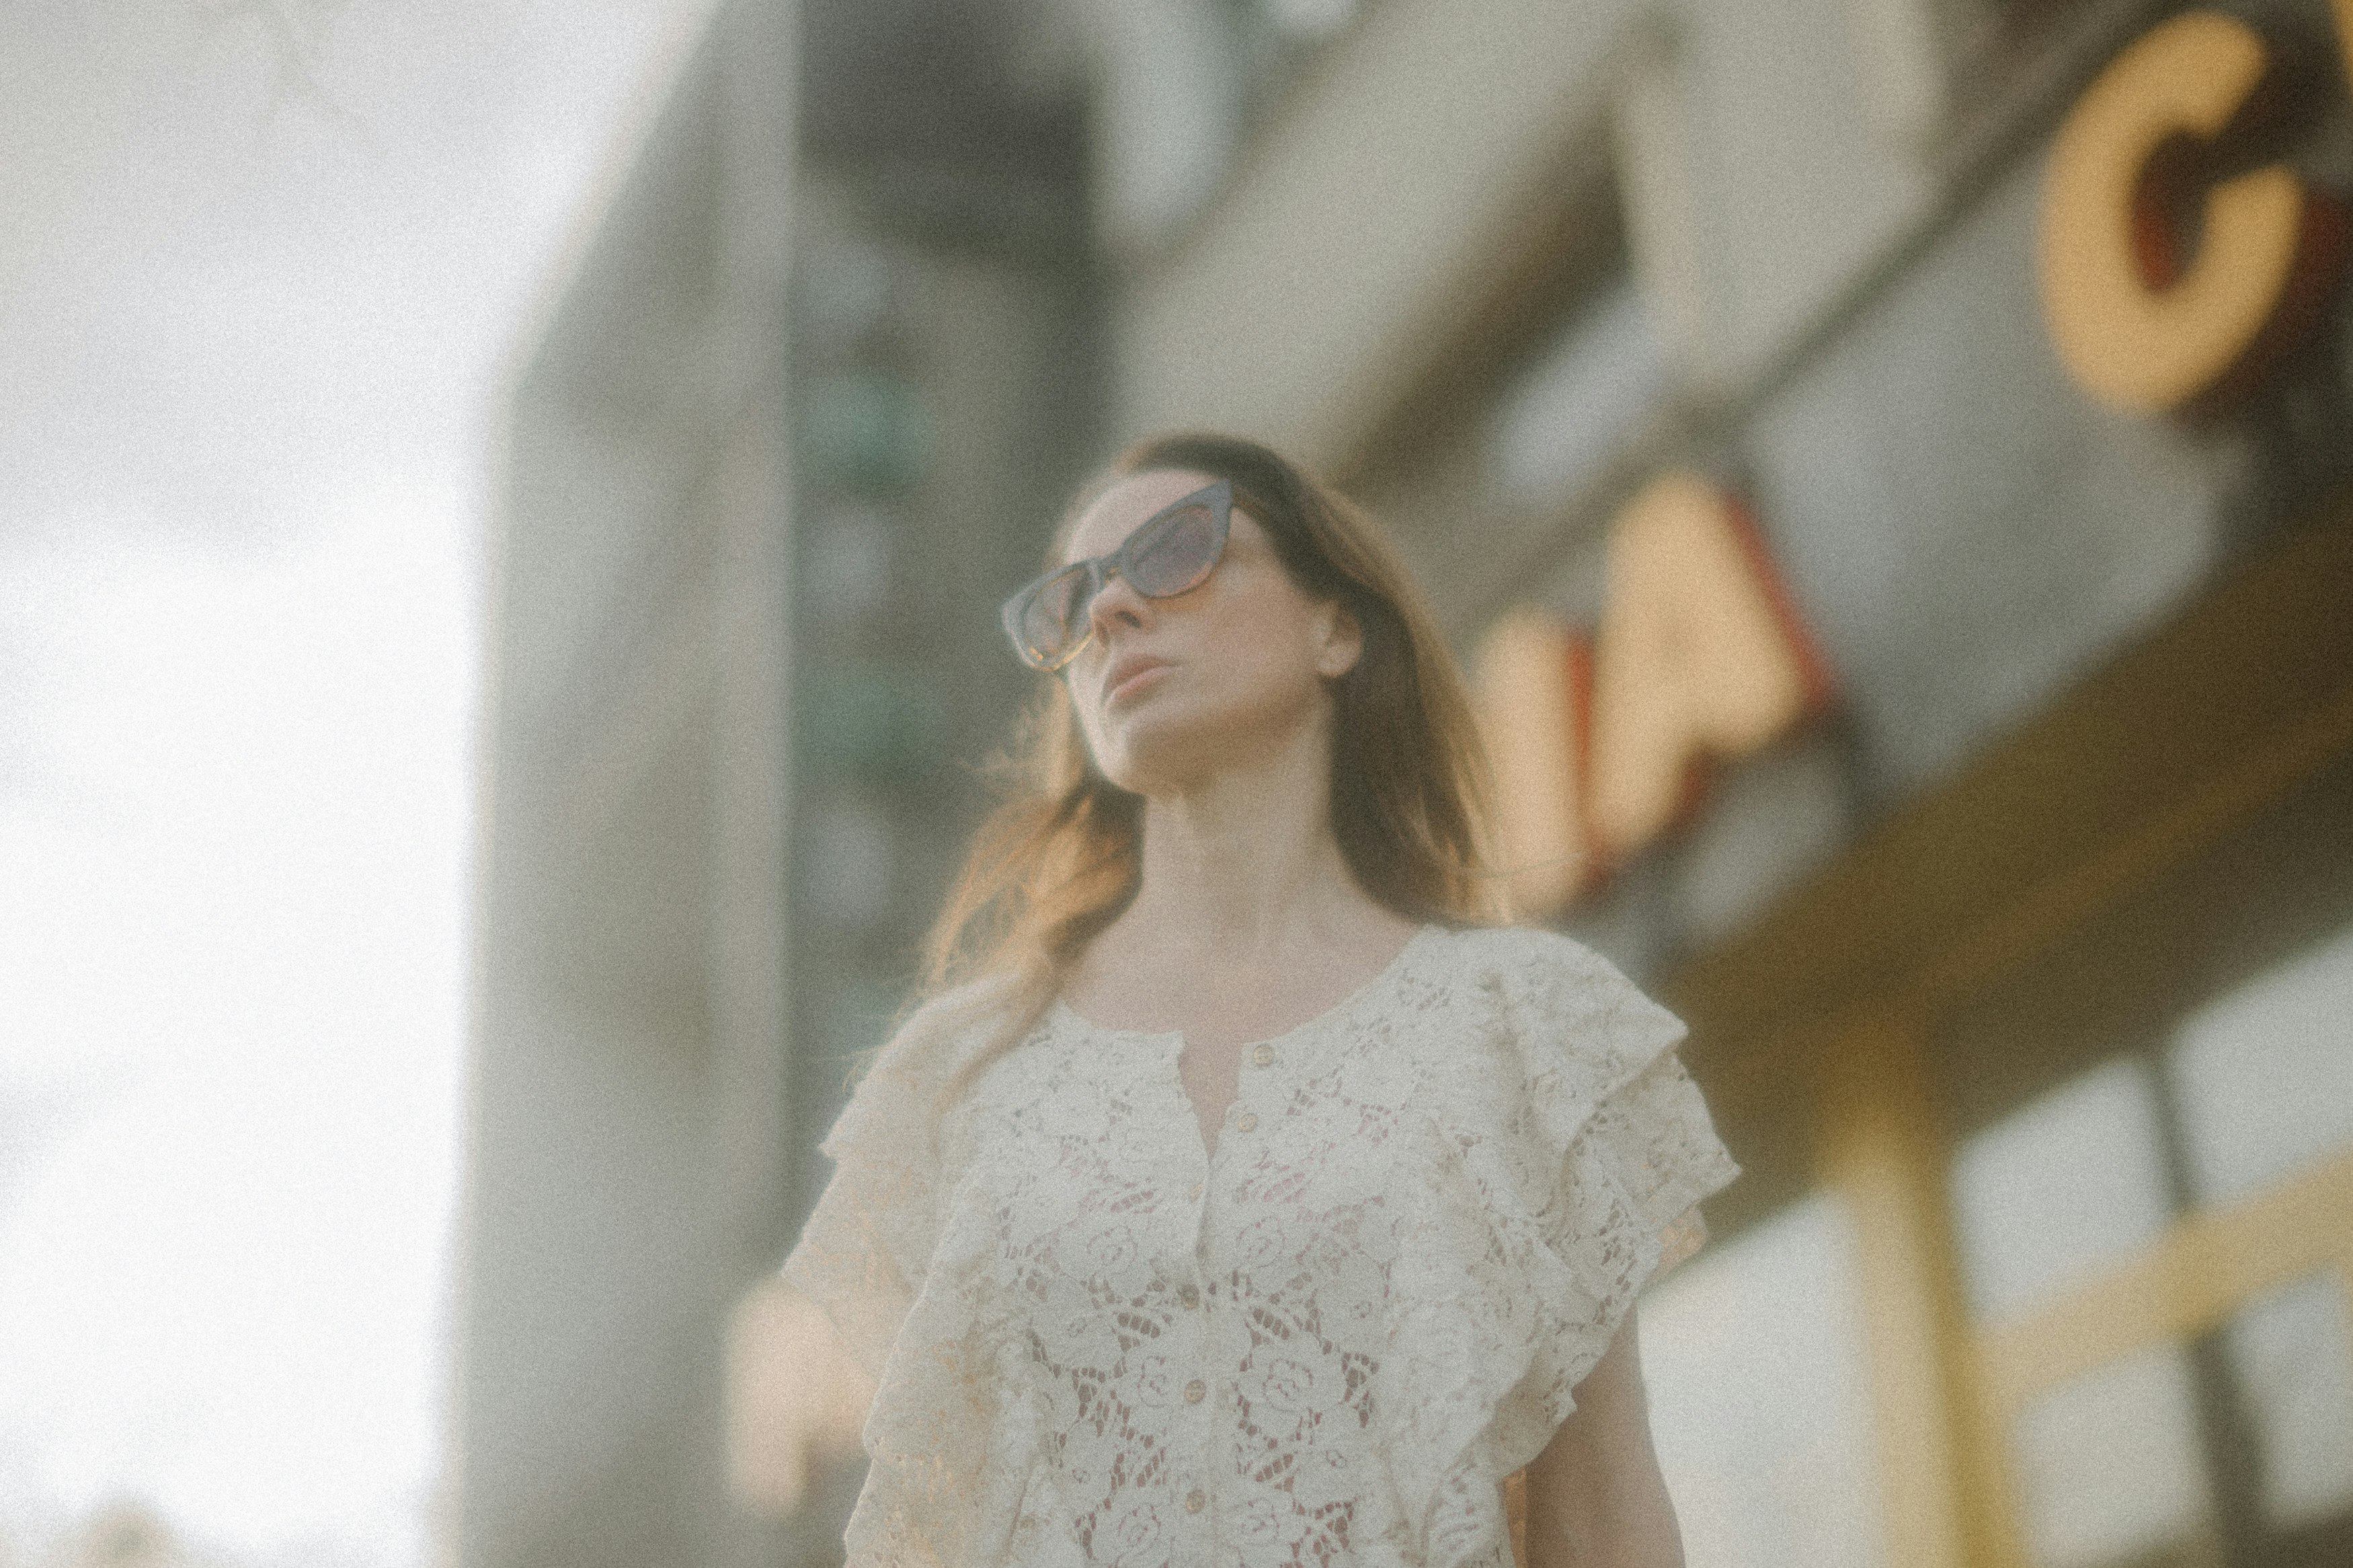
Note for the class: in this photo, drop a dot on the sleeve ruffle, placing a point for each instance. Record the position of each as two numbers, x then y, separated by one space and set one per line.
864 1248
904 1305
1571 1151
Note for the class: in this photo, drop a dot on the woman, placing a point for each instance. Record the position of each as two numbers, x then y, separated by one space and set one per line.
1244 1195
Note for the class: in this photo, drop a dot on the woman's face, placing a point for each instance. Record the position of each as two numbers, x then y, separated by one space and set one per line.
1170 691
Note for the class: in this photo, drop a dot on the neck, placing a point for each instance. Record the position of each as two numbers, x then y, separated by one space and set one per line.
1244 859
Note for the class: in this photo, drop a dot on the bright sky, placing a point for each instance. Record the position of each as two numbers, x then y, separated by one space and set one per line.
263 270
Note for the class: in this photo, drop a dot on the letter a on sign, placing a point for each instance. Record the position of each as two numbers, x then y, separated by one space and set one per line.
1698 655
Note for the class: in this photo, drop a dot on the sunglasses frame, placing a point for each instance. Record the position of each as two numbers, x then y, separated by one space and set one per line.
1219 493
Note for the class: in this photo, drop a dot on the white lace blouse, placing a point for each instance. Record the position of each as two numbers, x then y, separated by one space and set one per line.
1323 1342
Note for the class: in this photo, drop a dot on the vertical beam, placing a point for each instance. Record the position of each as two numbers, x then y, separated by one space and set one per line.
1658 175
2344 9
1904 68
1882 1152
2344 1269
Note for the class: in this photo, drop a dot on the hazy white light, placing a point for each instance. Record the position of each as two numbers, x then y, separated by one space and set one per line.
254 311
234 932
1753 1355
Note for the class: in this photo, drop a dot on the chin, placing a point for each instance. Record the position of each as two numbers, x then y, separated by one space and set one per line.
1154 744
1156 748
1147 763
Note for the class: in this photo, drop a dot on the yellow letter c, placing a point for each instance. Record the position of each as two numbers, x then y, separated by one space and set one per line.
2130 343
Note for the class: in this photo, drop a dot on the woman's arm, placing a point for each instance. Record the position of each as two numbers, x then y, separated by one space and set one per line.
1596 1499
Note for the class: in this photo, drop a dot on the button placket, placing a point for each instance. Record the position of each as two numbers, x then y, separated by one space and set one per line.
1201 1331
1197 1408
1262 1055
1200 1411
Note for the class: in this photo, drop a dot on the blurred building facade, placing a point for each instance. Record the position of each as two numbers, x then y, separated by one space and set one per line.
1887 461
820 372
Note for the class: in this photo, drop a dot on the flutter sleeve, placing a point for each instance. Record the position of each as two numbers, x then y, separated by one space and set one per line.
1633 1147
1571 1150
862 1254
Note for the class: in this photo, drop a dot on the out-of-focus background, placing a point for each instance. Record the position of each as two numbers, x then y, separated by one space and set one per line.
504 506
266 268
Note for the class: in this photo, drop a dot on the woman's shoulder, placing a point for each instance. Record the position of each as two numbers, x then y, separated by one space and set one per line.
945 1029
1545 1002
905 1078
1524 964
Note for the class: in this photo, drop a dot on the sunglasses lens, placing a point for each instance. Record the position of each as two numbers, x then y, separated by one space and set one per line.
1055 616
1172 553
1175 552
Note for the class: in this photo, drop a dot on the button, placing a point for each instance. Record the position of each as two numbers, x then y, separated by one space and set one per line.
1190 1296
1195 1392
1195 1191
1196 1501
1246 1120
1263 1056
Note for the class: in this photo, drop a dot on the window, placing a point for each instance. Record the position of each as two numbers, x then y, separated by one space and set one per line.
1591 386
2288 1357
2265 1075
1751 1355
1183 82
2060 1190
2108 1469
2159 1254
2265 1079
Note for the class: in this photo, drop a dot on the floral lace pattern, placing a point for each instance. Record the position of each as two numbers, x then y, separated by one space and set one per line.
1324 1341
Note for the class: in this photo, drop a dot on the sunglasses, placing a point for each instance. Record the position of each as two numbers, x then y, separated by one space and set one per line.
1170 552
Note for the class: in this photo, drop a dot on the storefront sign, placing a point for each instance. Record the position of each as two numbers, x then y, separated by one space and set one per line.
2144 319
2170 274
1599 745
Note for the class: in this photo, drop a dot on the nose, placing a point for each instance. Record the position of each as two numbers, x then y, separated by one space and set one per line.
1116 604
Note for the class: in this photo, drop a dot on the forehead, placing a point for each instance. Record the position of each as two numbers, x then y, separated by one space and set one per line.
1112 516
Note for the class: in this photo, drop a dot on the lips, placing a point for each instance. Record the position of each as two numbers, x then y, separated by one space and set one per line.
1126 669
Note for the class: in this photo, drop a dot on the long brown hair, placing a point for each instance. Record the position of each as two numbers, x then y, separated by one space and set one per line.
1061 857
